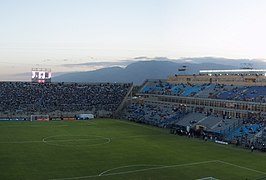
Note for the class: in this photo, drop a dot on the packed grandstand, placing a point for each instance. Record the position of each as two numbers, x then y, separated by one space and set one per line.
60 100
212 107
217 112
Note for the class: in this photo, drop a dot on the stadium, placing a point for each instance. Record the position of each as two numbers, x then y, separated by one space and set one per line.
209 125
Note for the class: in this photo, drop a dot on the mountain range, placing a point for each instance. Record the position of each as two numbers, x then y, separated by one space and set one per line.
137 72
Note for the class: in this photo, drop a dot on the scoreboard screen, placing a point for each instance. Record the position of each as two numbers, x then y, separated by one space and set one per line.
41 75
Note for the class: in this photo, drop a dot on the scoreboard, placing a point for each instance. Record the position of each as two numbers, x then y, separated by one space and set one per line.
41 75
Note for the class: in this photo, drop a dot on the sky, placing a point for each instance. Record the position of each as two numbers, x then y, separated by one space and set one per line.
59 33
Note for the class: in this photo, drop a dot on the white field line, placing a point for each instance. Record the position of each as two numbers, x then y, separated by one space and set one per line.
53 142
157 167
208 178
20 142
161 167
44 140
69 140
121 167
241 167
135 171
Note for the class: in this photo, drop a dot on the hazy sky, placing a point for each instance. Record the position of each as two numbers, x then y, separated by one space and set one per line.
49 33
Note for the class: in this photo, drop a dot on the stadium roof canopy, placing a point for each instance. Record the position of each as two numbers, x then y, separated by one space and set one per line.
234 72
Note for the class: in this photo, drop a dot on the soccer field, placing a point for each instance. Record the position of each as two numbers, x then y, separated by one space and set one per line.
114 149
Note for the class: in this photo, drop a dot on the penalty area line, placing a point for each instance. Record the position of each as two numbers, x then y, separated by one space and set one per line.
241 167
136 165
135 171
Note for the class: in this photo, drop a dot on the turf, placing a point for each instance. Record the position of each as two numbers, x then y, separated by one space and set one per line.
114 149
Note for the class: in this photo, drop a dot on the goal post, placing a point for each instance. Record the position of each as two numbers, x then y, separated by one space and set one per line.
39 117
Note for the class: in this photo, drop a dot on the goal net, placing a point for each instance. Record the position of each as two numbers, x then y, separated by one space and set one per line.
39 117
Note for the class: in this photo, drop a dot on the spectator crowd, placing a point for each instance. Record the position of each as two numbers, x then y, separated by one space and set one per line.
65 97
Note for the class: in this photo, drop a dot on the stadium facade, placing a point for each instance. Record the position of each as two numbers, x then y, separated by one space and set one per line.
244 77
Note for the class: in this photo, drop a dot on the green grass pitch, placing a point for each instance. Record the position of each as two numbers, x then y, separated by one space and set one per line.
114 149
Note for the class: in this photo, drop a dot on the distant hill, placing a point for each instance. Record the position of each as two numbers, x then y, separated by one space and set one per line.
138 72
